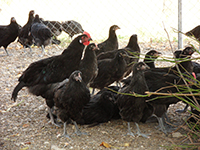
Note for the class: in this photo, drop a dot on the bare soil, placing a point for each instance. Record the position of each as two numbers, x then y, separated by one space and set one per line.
23 124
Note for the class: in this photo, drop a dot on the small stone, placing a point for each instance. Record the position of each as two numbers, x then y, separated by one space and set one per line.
46 143
54 147
176 135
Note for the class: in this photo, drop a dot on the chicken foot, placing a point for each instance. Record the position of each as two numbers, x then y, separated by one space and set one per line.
65 131
78 131
52 121
139 132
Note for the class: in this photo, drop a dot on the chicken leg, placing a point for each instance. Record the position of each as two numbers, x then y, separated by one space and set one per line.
65 131
139 132
52 118
78 132
43 51
129 130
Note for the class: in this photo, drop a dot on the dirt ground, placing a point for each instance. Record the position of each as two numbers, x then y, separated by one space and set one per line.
24 126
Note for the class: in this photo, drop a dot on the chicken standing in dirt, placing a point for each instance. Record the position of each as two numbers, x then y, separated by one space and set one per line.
25 37
42 35
8 33
70 100
111 43
52 70
131 107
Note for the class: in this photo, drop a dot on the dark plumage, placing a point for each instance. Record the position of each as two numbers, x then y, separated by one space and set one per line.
100 109
56 29
183 61
196 67
72 27
70 100
109 71
161 82
114 90
8 33
42 35
150 58
88 65
111 43
25 37
162 79
52 70
132 52
194 32
131 107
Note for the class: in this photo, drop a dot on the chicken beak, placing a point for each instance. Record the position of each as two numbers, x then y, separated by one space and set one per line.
158 54
97 48
144 67
117 28
78 78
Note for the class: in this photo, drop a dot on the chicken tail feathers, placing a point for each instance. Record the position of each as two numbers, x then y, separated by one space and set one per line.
19 86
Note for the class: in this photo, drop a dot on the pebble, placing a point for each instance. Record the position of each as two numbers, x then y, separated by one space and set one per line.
54 147
176 135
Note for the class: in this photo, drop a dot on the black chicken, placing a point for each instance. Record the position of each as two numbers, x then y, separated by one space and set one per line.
132 52
131 107
8 33
194 32
161 82
25 37
183 61
150 58
185 65
72 27
70 100
111 43
88 65
100 109
42 35
114 90
52 70
109 71
56 29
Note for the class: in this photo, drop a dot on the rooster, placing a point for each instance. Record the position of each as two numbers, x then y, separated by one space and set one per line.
40 76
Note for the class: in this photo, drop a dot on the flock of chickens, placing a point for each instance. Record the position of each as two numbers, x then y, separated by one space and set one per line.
37 31
64 80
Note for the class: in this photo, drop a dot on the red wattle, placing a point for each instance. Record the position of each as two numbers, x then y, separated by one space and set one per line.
86 43
194 75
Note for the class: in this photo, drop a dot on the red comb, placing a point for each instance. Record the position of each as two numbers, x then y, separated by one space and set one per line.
86 33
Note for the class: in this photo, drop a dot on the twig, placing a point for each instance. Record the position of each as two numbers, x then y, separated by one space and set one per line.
197 104
172 94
